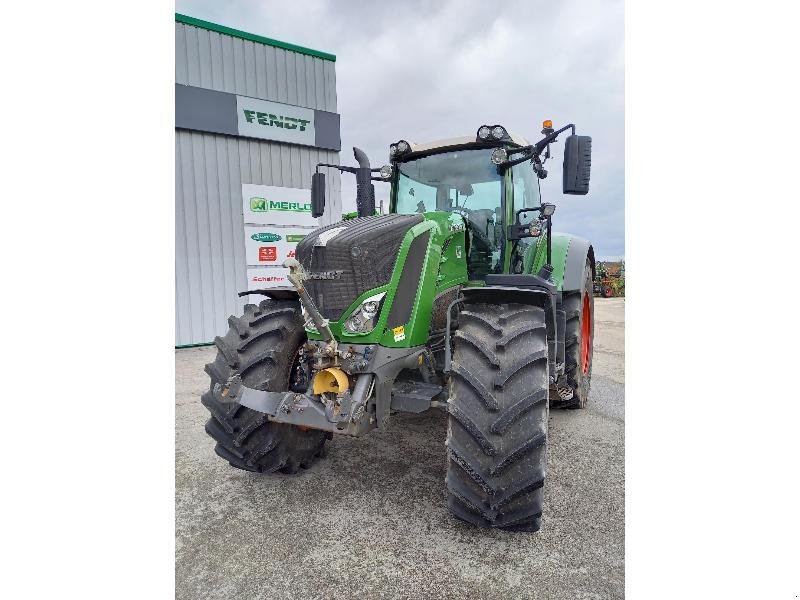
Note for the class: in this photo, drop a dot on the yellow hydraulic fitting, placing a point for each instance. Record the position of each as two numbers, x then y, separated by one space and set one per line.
331 380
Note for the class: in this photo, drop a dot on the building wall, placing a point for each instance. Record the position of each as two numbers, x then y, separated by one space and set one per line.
220 62
210 169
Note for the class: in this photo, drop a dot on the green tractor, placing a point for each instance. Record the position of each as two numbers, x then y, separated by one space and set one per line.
461 299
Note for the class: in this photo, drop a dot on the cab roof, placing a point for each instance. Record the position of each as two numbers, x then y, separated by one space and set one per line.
459 141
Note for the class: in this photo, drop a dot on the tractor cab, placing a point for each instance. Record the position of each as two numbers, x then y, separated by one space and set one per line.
461 175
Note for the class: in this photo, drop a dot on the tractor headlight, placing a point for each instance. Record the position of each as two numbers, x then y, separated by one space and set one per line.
386 172
398 148
365 317
488 133
499 156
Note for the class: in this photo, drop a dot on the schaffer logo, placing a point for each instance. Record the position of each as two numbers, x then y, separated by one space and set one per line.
265 236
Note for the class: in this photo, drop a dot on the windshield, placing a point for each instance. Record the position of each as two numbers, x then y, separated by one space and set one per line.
465 182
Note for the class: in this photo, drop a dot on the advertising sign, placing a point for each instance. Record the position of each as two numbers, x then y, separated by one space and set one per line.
271 205
267 277
265 245
275 121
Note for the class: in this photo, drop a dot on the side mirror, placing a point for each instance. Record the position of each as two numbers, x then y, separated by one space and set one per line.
577 164
317 194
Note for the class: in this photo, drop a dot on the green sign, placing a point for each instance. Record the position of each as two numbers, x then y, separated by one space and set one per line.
294 238
266 237
264 205
258 204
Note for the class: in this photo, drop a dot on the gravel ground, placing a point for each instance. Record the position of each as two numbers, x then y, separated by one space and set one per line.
371 521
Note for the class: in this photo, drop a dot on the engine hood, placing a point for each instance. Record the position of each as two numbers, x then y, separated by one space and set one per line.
347 258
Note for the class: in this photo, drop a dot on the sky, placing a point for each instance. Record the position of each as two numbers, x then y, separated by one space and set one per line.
421 70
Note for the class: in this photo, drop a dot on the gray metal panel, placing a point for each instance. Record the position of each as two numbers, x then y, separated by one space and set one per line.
326 129
210 265
220 62
203 109
206 110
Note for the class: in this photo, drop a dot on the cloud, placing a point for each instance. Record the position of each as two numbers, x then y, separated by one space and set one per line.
423 70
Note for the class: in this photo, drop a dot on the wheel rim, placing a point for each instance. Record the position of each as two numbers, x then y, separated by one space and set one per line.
586 334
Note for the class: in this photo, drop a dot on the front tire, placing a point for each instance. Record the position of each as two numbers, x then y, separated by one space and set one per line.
261 346
497 427
579 339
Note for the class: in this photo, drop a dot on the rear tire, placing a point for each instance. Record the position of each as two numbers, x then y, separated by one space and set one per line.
261 347
579 306
497 427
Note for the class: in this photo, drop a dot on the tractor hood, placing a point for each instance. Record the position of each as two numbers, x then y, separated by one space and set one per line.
348 258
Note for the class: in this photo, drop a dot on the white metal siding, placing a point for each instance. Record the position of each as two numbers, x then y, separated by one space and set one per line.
210 169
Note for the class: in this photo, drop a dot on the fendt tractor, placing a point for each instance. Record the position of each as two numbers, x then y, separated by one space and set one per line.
460 299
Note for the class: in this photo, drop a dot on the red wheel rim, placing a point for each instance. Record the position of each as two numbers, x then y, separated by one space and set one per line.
586 334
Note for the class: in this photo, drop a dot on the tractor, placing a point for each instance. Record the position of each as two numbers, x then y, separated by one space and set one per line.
609 282
462 299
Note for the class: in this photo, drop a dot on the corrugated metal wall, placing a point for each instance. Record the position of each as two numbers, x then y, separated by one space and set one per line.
220 62
210 169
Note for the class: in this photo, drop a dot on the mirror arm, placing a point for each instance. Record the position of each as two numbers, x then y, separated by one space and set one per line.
339 167
533 151
539 146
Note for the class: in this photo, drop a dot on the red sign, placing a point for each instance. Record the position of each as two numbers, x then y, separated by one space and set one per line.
267 254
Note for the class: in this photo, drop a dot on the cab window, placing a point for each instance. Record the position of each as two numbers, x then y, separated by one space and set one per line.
525 184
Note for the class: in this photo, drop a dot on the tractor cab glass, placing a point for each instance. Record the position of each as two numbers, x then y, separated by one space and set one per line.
525 184
464 182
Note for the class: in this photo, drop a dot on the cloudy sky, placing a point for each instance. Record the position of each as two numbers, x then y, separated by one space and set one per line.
422 70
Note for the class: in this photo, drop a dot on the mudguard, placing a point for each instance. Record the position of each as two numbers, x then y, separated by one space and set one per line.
569 258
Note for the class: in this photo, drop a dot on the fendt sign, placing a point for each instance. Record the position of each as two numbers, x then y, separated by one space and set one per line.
201 109
274 121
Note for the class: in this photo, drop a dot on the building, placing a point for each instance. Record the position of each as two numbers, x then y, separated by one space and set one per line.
253 117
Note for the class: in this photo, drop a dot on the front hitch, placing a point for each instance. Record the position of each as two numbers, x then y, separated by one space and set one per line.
346 415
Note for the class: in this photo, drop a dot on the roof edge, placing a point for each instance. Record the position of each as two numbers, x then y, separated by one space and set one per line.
187 20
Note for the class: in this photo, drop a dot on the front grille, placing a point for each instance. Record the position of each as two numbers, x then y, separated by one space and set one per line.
364 255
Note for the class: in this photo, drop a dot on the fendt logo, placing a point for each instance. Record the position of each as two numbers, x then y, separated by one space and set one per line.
271 120
265 237
264 205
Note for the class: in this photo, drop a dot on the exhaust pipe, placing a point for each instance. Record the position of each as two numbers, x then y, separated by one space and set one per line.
365 191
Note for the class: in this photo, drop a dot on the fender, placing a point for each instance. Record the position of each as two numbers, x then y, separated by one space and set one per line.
278 293
569 258
523 289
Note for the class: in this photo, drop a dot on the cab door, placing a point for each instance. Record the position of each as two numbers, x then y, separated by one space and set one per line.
525 193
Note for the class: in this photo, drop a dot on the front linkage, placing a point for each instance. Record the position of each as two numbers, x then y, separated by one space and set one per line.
331 403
